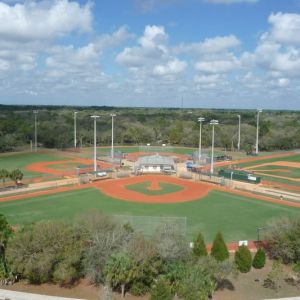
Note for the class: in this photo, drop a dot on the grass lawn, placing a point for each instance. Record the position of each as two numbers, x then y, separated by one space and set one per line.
292 158
236 216
21 160
276 170
166 188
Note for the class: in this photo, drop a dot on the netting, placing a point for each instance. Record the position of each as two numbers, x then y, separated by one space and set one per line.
156 149
148 225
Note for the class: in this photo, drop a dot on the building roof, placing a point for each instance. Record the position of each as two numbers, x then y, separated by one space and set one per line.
155 160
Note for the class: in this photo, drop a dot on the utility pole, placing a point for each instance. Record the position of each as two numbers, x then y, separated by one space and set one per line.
35 130
257 130
112 137
95 142
200 120
213 123
75 129
239 133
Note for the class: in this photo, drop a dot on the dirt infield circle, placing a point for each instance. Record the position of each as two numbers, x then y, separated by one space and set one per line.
117 189
45 167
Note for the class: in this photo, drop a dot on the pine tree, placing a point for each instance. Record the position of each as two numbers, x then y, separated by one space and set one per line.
161 291
259 259
243 259
219 249
199 246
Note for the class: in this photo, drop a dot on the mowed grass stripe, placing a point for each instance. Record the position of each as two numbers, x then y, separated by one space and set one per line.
236 216
291 158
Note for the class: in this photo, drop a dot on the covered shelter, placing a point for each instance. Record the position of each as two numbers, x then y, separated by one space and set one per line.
155 164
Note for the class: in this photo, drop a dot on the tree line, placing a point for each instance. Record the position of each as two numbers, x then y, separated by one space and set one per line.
278 129
112 254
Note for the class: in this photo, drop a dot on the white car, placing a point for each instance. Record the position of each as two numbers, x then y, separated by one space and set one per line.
101 174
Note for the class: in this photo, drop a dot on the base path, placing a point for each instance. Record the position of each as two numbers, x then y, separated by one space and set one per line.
45 167
117 189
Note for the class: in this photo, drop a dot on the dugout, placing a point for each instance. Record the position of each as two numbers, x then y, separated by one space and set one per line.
155 164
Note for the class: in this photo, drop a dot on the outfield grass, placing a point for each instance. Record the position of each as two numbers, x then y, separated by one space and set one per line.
276 170
21 160
166 188
292 158
236 216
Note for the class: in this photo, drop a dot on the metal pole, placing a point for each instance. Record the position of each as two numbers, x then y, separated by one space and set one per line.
35 130
257 130
75 130
213 123
200 139
95 142
212 150
112 137
239 135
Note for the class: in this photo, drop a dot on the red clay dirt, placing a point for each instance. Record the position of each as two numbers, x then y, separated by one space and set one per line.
117 189
154 186
45 167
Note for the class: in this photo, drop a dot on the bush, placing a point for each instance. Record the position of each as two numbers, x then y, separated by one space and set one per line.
243 259
282 239
199 246
219 249
259 259
45 252
139 288
161 291
196 284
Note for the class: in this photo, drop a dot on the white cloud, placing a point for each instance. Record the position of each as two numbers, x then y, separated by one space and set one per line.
43 20
282 82
170 68
152 47
206 79
116 38
231 1
210 45
285 27
217 66
275 58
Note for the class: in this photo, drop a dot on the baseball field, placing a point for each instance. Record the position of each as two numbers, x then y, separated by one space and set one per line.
149 199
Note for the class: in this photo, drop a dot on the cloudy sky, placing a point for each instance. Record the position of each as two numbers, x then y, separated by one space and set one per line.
210 53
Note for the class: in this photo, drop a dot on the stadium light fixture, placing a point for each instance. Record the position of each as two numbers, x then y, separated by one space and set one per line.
239 133
200 120
75 129
112 137
257 130
213 123
95 142
35 112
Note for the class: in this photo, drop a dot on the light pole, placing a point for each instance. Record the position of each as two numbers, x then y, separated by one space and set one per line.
200 120
35 112
112 137
95 142
257 130
75 129
239 133
213 123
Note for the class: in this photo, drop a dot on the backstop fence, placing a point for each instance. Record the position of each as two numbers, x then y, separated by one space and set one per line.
158 149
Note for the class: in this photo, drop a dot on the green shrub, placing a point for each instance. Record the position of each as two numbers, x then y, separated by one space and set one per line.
259 259
161 291
199 246
139 288
219 249
243 259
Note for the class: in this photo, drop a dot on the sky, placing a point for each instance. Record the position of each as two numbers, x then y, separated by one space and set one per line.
154 53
